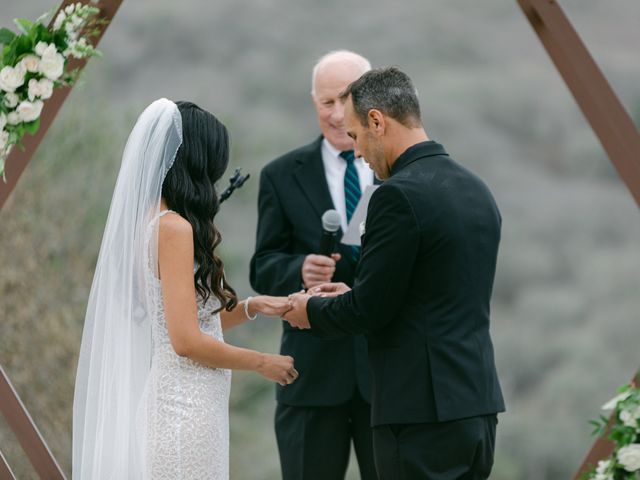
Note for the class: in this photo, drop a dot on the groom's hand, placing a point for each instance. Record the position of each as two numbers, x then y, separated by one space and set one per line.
297 314
329 289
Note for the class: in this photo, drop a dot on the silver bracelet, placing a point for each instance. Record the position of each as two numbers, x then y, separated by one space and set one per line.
246 310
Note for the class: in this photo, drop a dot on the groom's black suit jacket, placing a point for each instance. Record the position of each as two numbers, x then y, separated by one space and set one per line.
422 292
293 196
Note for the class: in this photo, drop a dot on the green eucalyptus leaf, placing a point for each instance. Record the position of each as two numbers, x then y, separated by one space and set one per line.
20 129
45 15
41 32
6 36
24 25
23 44
32 127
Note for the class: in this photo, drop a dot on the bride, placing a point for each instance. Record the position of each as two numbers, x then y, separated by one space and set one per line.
152 387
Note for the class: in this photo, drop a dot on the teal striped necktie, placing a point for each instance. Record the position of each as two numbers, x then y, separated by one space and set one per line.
352 192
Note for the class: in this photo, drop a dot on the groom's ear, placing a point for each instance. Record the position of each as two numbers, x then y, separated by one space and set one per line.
376 121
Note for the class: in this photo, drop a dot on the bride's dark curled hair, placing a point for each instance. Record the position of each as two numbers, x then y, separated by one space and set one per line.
189 190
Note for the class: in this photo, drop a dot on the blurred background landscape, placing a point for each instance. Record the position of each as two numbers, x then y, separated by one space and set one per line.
566 303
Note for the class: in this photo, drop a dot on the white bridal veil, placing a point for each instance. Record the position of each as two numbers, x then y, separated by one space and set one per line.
115 355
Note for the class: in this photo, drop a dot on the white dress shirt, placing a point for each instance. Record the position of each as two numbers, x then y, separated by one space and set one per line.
334 169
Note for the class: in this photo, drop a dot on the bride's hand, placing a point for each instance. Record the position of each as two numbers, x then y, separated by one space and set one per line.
278 368
270 306
329 290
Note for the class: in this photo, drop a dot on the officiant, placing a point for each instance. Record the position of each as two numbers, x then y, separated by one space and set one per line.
327 408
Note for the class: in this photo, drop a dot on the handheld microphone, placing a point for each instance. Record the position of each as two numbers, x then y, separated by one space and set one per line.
330 225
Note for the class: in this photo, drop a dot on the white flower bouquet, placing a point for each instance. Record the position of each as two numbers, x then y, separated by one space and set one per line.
624 432
33 62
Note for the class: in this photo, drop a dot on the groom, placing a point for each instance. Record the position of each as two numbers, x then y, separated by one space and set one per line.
421 294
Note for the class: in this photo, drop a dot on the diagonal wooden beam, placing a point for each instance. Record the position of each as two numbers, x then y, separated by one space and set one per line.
18 159
26 431
605 113
5 470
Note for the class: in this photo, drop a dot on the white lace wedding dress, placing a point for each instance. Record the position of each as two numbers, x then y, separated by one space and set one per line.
186 417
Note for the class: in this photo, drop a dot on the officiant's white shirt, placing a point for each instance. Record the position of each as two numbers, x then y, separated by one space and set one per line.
334 168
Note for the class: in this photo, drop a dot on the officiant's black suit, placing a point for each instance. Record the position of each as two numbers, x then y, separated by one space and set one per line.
328 405
421 296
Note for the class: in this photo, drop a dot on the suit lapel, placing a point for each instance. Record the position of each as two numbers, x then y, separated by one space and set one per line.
309 173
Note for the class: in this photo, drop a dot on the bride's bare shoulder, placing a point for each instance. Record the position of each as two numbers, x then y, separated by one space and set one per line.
175 230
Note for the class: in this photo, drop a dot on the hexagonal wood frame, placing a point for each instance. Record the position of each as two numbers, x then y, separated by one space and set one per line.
595 97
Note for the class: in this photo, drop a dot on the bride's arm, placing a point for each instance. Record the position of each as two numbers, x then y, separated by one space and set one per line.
248 308
175 258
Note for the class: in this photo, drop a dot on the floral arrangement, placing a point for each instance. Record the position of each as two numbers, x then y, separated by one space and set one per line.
33 62
624 431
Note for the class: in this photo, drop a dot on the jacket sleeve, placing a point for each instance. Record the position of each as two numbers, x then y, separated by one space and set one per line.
275 270
390 247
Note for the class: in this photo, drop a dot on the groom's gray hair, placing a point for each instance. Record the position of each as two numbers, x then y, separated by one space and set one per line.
388 90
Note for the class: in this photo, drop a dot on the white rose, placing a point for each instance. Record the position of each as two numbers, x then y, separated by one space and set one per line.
627 419
30 63
40 88
629 457
29 111
59 20
3 121
630 417
52 63
13 118
4 140
11 100
71 30
46 88
41 47
77 21
11 78
69 9
601 470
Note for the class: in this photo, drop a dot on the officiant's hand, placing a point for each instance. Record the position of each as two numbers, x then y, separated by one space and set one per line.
270 306
329 289
318 269
297 315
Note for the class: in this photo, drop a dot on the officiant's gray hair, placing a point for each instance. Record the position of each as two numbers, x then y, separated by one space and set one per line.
386 89
339 56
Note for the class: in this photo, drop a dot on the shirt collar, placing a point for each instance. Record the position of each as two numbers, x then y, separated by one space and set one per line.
332 150
417 151
336 153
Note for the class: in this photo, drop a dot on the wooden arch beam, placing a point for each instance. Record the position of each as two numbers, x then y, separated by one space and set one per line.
595 97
